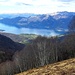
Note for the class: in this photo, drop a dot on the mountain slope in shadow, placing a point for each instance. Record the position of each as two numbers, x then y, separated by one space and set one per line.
8 48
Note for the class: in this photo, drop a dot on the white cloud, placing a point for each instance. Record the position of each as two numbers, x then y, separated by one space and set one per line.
36 6
66 0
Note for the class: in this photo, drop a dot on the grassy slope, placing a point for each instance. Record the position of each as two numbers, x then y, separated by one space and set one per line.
21 38
66 67
26 38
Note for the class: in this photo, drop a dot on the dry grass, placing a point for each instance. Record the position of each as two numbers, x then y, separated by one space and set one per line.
66 67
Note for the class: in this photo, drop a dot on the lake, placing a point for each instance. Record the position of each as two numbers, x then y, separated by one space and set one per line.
15 30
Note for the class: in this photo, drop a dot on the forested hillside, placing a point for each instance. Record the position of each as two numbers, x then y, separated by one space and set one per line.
40 52
8 48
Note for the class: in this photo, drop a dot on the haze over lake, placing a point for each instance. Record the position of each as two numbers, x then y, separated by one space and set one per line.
15 30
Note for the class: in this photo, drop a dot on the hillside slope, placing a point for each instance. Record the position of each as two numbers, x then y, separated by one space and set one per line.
21 38
6 44
66 67
8 48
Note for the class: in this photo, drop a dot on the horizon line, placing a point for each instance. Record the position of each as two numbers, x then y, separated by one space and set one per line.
33 13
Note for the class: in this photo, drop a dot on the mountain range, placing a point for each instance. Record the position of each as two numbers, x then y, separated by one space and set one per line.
57 21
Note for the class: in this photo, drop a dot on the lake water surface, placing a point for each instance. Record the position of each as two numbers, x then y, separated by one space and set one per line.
15 30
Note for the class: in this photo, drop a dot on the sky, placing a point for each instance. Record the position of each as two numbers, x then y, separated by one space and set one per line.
36 6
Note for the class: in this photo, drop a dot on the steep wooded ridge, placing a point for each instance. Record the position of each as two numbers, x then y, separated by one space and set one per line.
66 67
8 47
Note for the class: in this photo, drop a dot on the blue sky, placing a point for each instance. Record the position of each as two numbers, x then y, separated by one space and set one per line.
36 6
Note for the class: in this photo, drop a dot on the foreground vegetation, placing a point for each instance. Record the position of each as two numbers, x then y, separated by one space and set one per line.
40 52
66 67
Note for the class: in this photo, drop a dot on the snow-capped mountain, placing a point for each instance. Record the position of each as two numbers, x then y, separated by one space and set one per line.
57 21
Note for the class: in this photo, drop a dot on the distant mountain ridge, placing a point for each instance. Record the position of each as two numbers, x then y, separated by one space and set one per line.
58 21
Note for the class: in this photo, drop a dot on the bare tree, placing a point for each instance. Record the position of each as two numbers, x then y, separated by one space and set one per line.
7 68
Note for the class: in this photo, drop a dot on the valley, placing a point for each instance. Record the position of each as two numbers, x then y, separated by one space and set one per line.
20 38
